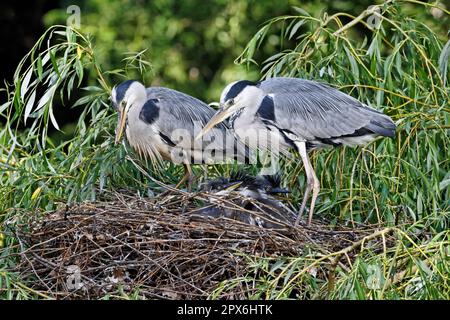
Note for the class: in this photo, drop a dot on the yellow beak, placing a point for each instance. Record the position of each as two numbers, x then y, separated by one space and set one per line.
218 117
120 125
234 186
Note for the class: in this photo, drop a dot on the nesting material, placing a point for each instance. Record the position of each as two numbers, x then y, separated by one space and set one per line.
157 248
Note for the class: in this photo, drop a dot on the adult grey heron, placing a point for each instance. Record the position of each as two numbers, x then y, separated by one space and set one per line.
161 123
301 114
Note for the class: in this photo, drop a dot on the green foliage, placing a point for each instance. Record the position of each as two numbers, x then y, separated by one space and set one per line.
191 44
400 68
411 269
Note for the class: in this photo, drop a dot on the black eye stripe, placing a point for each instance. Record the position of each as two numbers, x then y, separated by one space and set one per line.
122 89
238 87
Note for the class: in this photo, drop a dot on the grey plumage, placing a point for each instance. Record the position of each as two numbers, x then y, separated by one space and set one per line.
181 111
161 123
252 201
321 114
280 114
313 112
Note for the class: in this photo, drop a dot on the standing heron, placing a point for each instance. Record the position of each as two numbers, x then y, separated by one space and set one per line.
299 114
161 123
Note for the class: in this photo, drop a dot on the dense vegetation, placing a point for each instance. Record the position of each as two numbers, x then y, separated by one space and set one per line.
388 57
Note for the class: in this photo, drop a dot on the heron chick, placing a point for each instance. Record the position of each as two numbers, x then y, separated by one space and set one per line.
249 199
281 113
161 123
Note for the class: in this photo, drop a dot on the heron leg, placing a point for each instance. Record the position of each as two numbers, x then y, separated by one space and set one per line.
304 201
188 175
315 193
312 183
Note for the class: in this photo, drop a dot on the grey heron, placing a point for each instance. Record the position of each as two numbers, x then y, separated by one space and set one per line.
245 194
300 114
161 123
269 184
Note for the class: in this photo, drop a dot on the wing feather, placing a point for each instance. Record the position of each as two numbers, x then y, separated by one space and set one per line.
182 116
314 110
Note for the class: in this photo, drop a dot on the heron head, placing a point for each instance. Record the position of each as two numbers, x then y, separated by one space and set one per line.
236 96
271 184
123 97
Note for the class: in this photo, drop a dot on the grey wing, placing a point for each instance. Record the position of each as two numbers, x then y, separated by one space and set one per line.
183 117
313 111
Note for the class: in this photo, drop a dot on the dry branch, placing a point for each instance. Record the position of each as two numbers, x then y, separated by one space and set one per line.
155 246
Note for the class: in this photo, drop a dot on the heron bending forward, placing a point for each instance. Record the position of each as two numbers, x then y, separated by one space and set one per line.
300 114
161 123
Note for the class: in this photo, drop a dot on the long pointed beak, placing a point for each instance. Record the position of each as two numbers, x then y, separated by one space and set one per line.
218 117
232 186
120 125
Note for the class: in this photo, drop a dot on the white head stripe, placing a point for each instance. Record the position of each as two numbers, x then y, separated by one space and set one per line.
113 95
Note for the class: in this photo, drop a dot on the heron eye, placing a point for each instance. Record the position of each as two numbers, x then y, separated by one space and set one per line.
123 103
230 102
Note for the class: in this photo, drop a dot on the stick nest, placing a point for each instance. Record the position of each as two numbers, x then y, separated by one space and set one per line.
156 248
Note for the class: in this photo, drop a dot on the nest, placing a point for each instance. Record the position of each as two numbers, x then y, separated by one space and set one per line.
155 246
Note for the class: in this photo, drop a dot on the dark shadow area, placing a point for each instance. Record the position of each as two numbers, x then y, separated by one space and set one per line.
21 26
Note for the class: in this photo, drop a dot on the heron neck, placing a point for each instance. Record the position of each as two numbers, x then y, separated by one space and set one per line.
133 117
136 105
246 114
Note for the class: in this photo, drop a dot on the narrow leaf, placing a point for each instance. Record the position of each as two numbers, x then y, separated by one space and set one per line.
295 28
301 11
46 97
443 61
54 63
4 106
444 184
53 120
25 83
353 64
39 68
36 193
29 106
